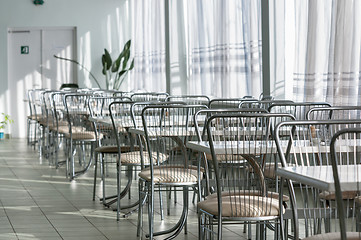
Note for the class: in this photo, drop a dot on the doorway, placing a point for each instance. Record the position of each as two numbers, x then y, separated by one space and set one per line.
31 64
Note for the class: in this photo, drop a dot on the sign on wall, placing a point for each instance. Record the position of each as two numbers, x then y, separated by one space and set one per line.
24 49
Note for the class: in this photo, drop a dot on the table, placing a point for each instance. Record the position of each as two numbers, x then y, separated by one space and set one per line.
321 177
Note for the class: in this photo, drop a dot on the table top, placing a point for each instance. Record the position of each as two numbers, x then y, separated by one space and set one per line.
299 146
322 176
317 176
166 132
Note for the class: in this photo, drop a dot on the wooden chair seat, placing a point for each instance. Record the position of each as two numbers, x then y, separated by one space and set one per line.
171 174
84 136
274 195
346 195
242 206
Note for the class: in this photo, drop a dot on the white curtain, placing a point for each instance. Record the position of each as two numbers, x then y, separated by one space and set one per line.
215 46
223 47
148 45
323 39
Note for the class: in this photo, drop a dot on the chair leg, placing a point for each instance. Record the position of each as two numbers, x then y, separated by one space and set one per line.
151 210
119 183
142 198
102 174
161 205
95 175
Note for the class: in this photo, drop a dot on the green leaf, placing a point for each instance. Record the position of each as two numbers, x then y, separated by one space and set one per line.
116 64
126 58
121 73
131 65
106 60
127 45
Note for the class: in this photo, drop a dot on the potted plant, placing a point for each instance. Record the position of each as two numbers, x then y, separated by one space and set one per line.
6 120
114 72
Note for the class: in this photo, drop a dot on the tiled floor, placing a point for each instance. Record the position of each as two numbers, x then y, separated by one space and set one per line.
38 202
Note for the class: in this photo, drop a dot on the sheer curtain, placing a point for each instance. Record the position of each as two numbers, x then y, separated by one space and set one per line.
324 40
224 47
148 39
215 46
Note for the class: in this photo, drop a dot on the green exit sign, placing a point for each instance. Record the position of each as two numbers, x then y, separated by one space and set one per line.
24 49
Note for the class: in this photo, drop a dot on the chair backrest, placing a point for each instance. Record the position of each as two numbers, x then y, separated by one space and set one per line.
242 146
307 144
190 99
58 109
77 113
131 149
298 109
35 96
228 102
167 128
334 113
47 107
101 119
201 117
149 96
346 165
262 103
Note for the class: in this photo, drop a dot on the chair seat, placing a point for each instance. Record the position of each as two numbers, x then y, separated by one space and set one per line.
332 195
84 135
242 206
335 236
274 195
114 149
63 129
35 116
61 124
46 122
171 175
134 158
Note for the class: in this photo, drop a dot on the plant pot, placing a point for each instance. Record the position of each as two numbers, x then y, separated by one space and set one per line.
1 135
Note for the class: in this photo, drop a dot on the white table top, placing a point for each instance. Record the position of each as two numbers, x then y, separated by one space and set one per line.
317 176
166 132
322 177
299 146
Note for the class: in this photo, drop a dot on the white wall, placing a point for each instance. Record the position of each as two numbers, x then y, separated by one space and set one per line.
100 24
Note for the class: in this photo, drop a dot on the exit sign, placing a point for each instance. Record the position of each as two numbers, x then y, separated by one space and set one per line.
24 49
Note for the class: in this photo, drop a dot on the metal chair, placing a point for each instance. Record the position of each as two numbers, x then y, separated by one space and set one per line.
200 119
149 96
297 109
262 103
348 212
307 143
105 138
241 145
334 113
35 116
60 125
190 99
228 102
340 160
167 128
130 149
80 133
